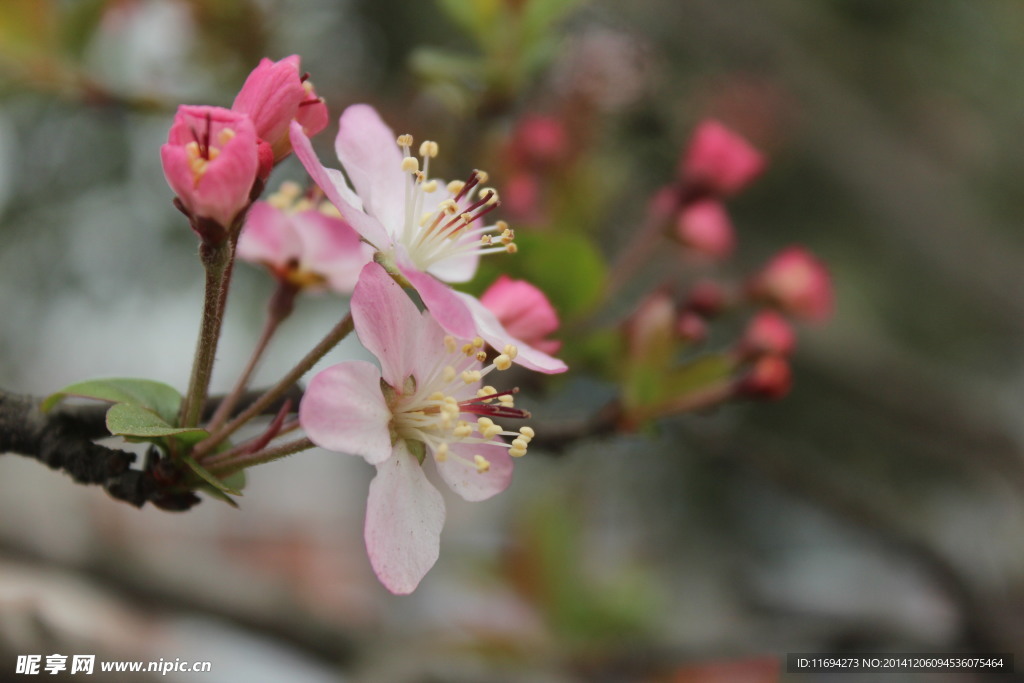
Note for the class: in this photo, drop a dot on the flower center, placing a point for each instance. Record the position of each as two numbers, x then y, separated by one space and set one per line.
205 147
449 228
431 411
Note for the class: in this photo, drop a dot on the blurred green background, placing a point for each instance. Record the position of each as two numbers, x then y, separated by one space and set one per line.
877 507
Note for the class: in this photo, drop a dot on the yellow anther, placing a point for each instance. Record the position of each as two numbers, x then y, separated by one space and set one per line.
517 452
448 206
492 431
490 195
507 401
436 396
503 362
448 374
449 343
225 136
456 186
486 391
501 226
428 148
192 149
483 422
482 176
212 153
420 177
328 209
519 443
467 349
511 248
478 342
481 356
485 239
511 351
466 218
441 452
527 432
481 463
410 165
507 235
462 430
426 218
405 140
430 187
470 376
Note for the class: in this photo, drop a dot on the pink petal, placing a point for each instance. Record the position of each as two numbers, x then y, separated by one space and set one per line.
333 184
458 268
387 323
268 236
331 248
492 331
270 96
369 153
343 410
461 475
704 226
442 302
404 518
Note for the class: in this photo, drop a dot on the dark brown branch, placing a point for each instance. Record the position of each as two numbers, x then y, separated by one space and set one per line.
62 439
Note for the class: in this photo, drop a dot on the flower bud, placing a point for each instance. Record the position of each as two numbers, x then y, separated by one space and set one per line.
797 282
769 377
704 227
719 161
524 311
211 162
691 327
706 298
540 141
768 333
275 94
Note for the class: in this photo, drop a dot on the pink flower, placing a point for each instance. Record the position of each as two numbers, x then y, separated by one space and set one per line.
424 230
210 161
770 377
307 248
768 333
274 95
523 311
797 282
540 141
719 161
704 226
408 417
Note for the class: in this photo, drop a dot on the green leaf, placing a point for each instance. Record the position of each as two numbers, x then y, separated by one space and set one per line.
209 478
132 420
162 399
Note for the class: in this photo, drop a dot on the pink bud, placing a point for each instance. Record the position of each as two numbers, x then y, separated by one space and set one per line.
768 333
704 226
797 282
691 327
769 377
210 161
274 95
719 161
524 311
540 140
706 298
520 196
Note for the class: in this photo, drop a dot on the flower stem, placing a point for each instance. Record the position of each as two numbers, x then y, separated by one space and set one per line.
282 303
337 333
250 446
216 260
226 468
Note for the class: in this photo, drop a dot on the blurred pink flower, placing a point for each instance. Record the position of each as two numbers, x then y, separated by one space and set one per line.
719 161
210 161
523 311
769 377
422 229
275 94
540 141
768 333
797 282
308 248
691 327
704 226
405 414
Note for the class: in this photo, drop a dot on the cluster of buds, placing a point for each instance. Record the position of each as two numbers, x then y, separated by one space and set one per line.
667 370
217 160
